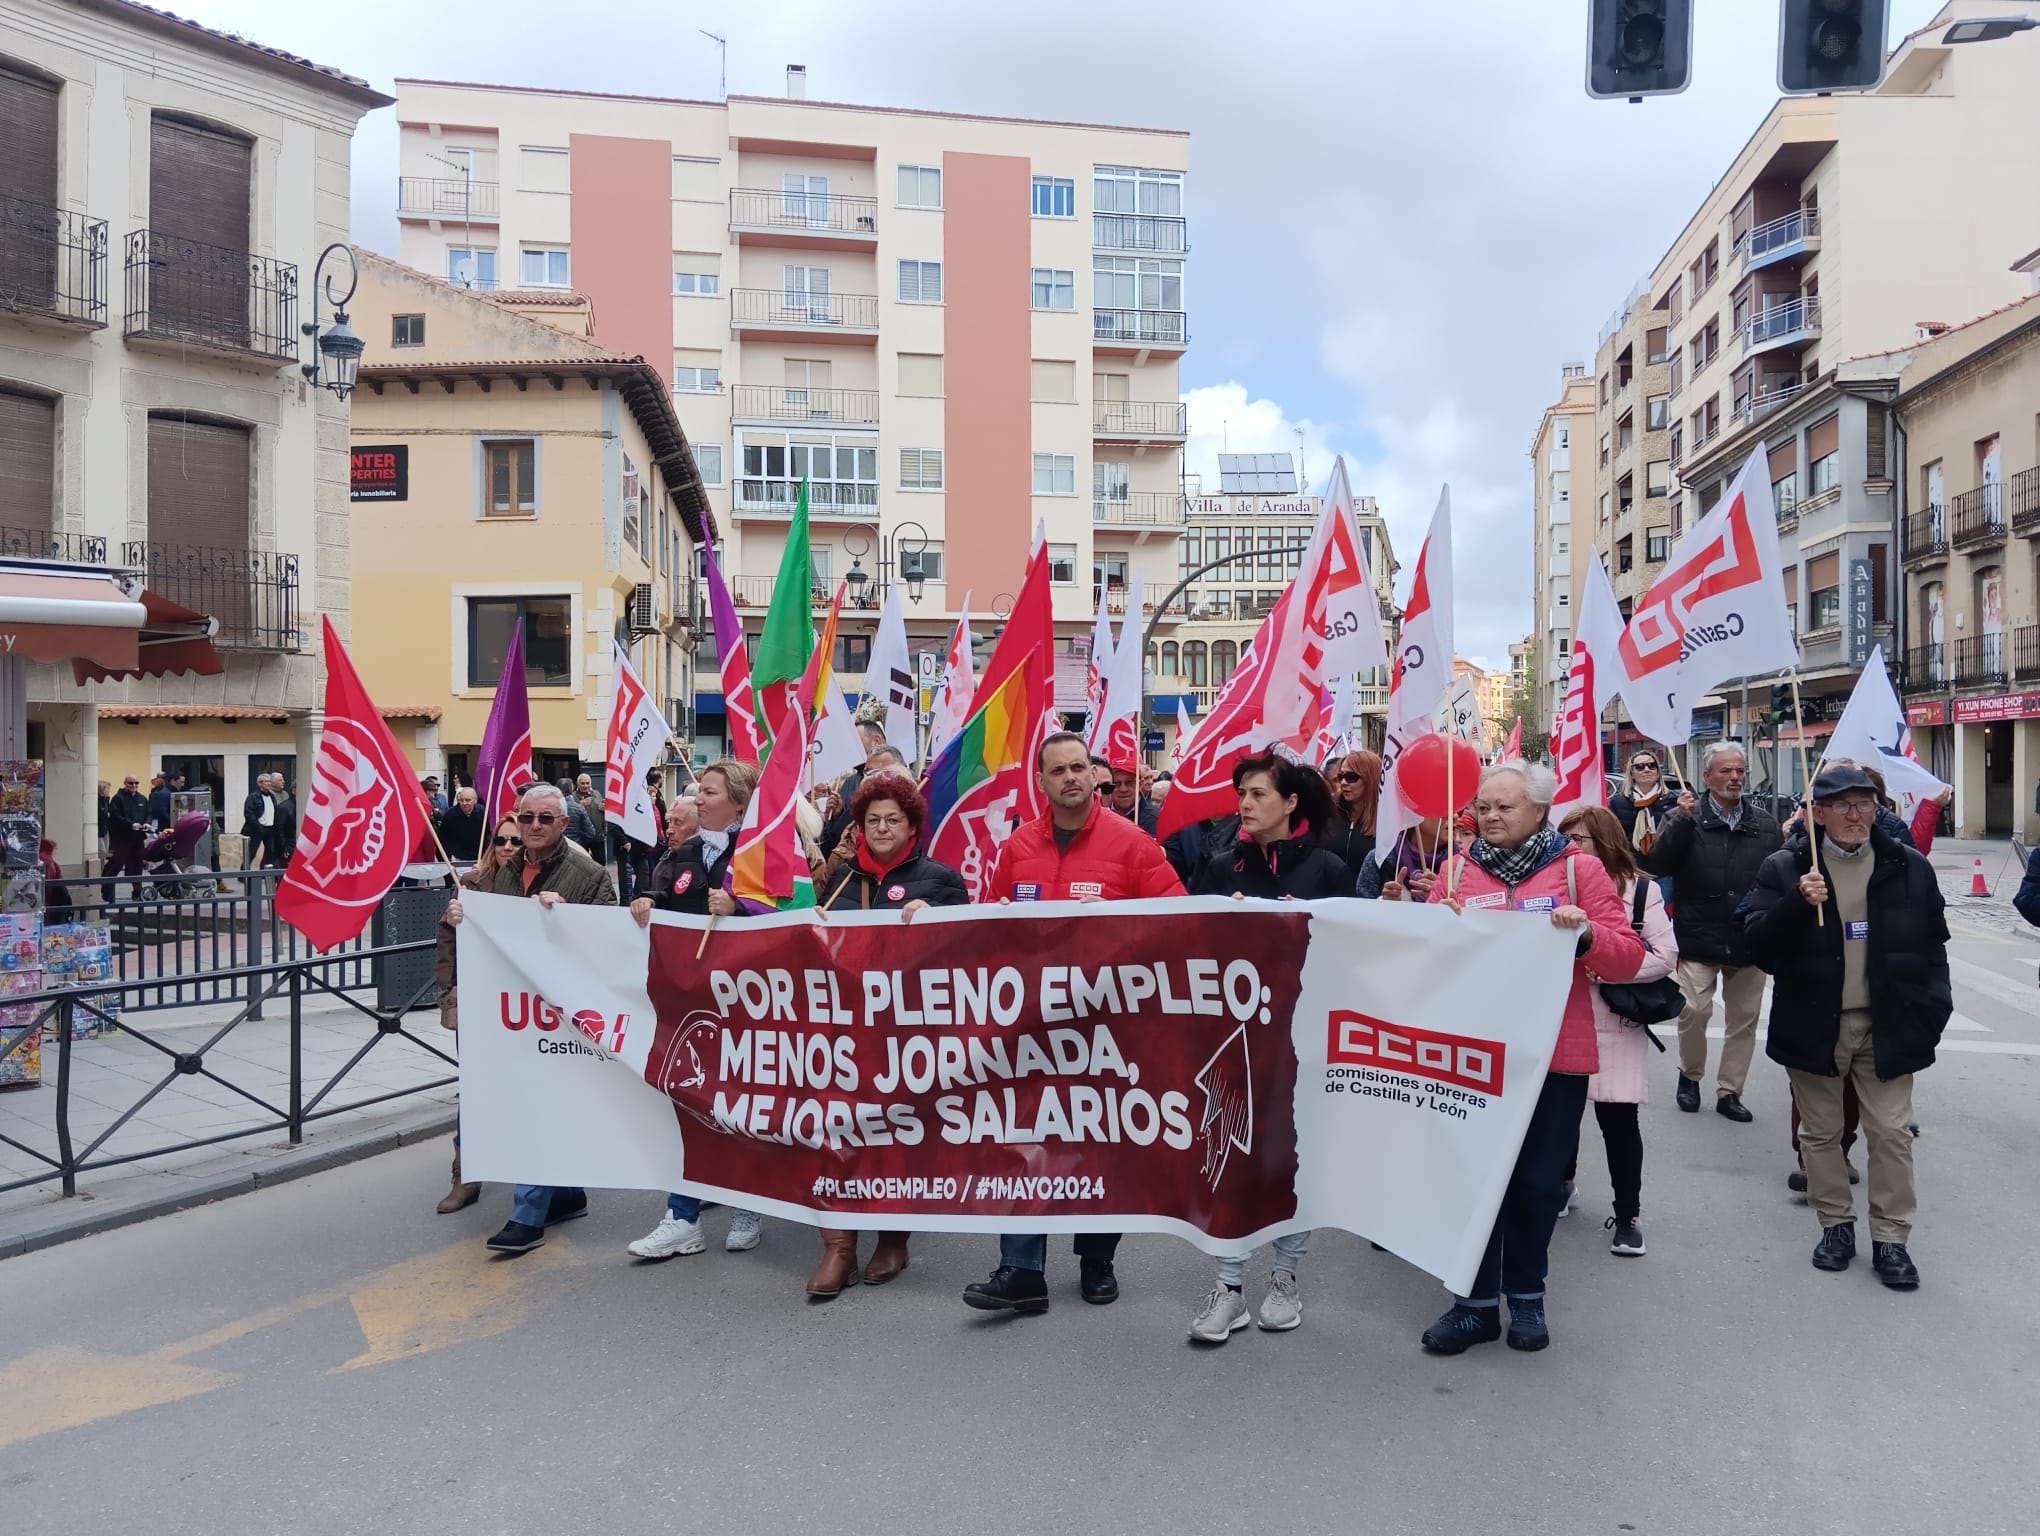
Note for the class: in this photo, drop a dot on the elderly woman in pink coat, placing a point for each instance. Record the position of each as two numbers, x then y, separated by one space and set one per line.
1621 1083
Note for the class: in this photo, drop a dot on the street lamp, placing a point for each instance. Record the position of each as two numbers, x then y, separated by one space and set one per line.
339 349
899 558
1988 29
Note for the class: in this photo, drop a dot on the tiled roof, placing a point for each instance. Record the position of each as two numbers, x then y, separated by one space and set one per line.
157 19
480 365
243 712
559 298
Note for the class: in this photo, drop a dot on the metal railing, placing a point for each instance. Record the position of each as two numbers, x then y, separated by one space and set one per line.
52 262
2023 500
1139 509
1141 327
756 591
1977 517
1801 315
1139 418
773 402
1758 404
1800 224
207 296
449 197
1979 661
797 307
757 494
1167 233
825 213
1924 670
68 548
2026 651
1925 535
253 593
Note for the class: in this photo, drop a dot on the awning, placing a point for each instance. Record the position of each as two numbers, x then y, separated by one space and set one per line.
62 616
171 639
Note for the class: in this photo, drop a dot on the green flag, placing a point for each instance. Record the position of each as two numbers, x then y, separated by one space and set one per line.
789 638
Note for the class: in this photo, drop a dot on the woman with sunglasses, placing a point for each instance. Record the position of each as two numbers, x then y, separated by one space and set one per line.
1356 791
1642 803
479 878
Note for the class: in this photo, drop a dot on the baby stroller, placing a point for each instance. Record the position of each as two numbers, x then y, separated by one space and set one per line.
169 862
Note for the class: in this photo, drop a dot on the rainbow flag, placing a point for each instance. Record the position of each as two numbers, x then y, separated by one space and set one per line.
993 740
769 871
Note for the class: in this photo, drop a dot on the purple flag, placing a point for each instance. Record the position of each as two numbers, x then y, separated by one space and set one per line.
505 764
733 663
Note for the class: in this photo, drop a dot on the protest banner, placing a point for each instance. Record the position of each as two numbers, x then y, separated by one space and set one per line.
1221 1071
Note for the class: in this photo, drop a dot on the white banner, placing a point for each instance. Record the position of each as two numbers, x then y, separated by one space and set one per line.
638 734
1221 1071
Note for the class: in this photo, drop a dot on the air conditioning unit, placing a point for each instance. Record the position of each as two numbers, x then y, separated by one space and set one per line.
644 609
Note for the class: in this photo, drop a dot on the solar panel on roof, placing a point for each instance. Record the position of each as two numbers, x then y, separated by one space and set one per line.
1256 474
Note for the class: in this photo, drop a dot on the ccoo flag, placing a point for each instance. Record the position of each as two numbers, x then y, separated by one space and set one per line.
638 734
1422 678
1592 683
1334 617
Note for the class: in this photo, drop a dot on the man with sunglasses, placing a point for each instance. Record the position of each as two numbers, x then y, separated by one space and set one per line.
552 870
1858 947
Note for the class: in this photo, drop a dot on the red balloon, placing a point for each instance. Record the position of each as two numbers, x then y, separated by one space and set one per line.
1420 774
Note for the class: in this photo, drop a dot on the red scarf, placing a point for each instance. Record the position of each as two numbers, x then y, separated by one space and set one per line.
879 872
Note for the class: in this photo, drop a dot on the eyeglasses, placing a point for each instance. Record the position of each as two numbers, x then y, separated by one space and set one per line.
509 842
1349 778
537 818
884 823
1856 808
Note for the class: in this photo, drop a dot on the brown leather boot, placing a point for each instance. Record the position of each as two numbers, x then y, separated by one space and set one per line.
887 1259
461 1196
838 1269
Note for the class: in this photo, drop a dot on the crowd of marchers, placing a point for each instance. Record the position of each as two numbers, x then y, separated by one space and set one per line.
1703 887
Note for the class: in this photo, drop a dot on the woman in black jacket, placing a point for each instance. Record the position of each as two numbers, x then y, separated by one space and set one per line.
1282 806
1356 792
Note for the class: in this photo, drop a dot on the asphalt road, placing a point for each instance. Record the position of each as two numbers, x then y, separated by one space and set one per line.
332 1357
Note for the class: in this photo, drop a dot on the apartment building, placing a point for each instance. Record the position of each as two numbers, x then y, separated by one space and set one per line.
168 192
1632 466
1257 523
952 327
1562 456
516 475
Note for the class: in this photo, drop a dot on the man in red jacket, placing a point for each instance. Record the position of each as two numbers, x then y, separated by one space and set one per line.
1078 851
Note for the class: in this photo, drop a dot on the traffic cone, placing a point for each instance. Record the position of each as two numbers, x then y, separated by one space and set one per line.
1976 885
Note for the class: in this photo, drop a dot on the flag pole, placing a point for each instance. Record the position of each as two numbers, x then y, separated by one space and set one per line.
1451 807
1812 832
704 936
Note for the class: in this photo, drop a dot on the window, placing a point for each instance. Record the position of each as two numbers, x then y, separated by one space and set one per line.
1658 477
633 505
542 266
1827 608
513 479
920 469
407 330
925 562
547 623
1657 545
543 170
1657 413
1785 493
1826 473
920 186
853 653
697 179
1054 289
1055 197
1189 552
708 459
28 461
921 375
841 472
697 381
1118 189
1171 660
470 267
1225 655
1062 565
1136 282
198 496
1564 434
1111 481
697 274
1194 663
920 282
1055 474
1055 382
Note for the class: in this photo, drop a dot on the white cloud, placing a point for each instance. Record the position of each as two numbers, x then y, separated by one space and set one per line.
1224 420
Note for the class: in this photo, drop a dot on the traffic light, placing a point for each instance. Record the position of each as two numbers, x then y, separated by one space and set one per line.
1781 704
1830 45
1638 48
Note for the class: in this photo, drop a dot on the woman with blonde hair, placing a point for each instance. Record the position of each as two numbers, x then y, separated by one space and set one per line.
1356 794
1643 802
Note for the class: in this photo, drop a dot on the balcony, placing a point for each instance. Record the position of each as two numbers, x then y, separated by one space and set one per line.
782 314
772 403
755 592
449 199
52 264
2026 652
1787 513
829 501
1980 662
1139 421
252 593
1976 519
2024 499
1139 509
1152 593
1754 407
1789 325
1788 239
1139 331
1166 234
60 548
1925 537
803 220
189 294
1924 670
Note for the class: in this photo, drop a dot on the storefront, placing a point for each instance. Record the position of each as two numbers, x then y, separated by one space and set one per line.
1996 764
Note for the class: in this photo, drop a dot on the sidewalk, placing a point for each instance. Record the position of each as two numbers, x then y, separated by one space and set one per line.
113 1073
1954 860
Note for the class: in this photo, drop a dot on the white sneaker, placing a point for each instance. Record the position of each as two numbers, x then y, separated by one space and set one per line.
745 1230
1223 1315
1281 1309
669 1238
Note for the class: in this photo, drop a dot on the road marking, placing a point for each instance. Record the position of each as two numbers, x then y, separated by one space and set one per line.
443 1298
1971 977
57 1389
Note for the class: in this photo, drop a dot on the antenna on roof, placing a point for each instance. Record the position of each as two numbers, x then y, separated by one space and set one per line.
1302 474
722 74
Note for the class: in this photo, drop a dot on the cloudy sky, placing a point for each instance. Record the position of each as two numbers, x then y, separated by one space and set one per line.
1405 215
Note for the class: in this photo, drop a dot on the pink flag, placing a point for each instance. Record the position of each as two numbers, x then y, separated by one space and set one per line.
1512 749
1591 686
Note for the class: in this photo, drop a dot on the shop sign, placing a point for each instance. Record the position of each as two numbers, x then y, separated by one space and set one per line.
380 473
1927 714
2003 706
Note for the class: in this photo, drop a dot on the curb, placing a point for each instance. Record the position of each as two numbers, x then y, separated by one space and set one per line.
65 1220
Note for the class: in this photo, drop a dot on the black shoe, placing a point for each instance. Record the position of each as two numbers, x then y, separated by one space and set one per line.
565 1208
1837 1247
1894 1266
1526 1326
1796 1181
516 1238
1689 1094
1854 1176
1730 1105
1095 1280
1009 1290
1462 1328
1625 1237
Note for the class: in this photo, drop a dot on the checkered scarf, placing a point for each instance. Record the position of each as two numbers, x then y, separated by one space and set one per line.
1512 866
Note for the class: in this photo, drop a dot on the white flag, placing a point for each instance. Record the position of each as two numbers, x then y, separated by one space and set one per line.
1344 687
1423 671
959 686
1592 684
889 675
1118 738
1184 731
1716 612
836 747
638 734
1872 732
1333 626
1097 671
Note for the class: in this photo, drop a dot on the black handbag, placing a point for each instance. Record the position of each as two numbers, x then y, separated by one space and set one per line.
1644 1003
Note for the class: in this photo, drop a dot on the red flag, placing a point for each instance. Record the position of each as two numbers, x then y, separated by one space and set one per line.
365 813
1512 749
1202 786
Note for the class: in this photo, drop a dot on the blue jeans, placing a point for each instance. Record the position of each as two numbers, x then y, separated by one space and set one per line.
687 1208
1032 1252
1518 1247
533 1200
1289 1252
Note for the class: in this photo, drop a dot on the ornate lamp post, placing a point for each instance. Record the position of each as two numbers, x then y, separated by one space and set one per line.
336 355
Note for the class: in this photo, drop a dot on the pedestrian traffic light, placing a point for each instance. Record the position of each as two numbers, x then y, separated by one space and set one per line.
1830 45
1639 48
